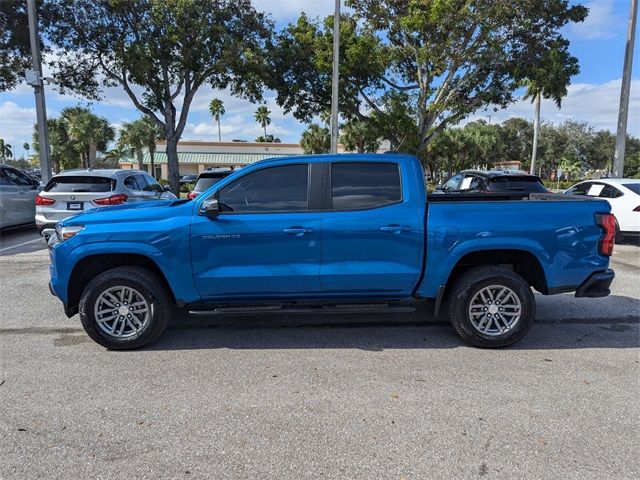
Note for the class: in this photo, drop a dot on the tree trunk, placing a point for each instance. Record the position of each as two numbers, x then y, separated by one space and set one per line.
264 125
219 133
152 157
140 157
91 159
536 129
173 165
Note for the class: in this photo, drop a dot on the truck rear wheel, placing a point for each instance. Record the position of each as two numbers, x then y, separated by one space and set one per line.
125 308
491 307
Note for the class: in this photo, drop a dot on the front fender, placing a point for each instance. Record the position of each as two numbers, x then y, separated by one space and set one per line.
175 267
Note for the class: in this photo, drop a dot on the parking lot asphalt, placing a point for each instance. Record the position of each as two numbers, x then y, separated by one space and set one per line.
360 396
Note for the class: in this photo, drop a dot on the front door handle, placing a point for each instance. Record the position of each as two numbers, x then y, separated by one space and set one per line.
297 231
395 228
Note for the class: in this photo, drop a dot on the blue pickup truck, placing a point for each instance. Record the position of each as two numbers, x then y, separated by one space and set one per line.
332 234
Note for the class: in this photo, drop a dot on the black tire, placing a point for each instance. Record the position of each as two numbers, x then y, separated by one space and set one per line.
148 285
472 282
620 238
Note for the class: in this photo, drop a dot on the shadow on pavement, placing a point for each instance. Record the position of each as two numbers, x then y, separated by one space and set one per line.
377 334
17 240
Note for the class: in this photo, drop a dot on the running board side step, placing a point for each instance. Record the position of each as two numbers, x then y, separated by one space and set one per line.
306 309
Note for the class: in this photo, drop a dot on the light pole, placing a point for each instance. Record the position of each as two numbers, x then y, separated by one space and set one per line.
334 78
623 112
34 78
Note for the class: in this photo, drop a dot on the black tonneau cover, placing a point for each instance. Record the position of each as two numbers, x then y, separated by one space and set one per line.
501 197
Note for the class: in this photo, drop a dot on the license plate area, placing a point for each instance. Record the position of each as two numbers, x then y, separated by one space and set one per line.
75 205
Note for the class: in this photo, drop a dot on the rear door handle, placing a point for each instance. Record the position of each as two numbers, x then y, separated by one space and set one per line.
297 231
395 228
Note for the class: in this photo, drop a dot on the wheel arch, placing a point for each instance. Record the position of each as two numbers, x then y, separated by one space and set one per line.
522 262
92 265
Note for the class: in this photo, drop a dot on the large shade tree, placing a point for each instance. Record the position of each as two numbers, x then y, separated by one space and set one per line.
160 52
15 52
443 59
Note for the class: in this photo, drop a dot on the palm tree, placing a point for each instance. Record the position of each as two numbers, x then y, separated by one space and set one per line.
357 136
315 139
5 150
131 141
262 117
89 132
150 134
550 80
570 166
27 147
216 109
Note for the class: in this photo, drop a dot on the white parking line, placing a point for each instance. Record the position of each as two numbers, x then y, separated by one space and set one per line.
22 244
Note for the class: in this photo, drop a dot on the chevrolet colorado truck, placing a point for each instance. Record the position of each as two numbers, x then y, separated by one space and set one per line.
330 234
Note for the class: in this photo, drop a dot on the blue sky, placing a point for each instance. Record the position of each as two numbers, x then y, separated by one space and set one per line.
593 96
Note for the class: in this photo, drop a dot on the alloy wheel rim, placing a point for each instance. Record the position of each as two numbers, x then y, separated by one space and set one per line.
121 312
495 310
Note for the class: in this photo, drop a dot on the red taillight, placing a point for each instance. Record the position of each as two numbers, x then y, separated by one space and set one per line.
112 200
606 221
192 195
44 200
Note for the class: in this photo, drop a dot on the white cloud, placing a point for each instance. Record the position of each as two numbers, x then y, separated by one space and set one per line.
602 22
16 125
596 104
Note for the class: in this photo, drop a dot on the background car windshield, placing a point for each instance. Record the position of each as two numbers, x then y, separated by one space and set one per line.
79 184
205 182
634 187
511 183
270 189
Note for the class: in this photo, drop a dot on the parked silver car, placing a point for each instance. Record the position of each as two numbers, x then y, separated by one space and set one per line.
17 197
74 191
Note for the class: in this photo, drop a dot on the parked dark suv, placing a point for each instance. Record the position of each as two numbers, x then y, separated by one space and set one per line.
493 181
208 178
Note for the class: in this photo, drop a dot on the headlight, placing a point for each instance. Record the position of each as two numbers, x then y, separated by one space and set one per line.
65 233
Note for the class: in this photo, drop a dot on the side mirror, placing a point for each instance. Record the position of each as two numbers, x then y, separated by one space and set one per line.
210 208
440 188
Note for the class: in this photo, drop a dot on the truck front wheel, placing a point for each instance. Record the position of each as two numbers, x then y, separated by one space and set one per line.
491 307
125 308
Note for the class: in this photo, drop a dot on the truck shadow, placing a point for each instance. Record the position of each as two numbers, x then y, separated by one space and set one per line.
378 333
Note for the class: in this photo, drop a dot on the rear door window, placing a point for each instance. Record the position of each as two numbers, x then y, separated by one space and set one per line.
78 184
364 185
135 182
470 182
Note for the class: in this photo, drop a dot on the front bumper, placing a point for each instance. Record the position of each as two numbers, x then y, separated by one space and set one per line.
596 285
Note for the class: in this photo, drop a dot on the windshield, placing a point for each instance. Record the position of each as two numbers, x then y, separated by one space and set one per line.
517 184
634 187
69 183
205 182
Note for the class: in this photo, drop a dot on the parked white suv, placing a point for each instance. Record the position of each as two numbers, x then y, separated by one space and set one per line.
74 191
623 194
